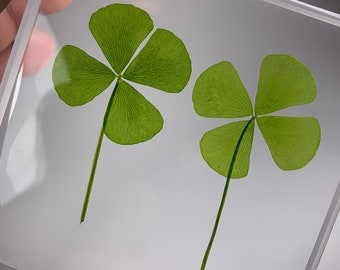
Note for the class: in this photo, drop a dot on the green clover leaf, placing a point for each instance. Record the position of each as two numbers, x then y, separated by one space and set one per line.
218 146
293 141
163 63
78 77
284 82
219 92
132 118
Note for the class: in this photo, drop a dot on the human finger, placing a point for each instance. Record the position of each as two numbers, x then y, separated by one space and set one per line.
7 30
39 51
51 6
16 8
4 55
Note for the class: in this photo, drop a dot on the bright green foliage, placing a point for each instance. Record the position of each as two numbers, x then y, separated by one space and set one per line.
283 82
219 92
163 63
131 117
78 77
119 30
219 144
292 141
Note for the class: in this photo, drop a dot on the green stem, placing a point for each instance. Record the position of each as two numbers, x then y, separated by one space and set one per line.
96 156
93 172
224 196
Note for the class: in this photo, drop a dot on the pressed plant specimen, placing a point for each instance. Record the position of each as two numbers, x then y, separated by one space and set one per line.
163 63
293 141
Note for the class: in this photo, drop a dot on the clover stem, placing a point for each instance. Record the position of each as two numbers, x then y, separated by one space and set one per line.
93 172
224 196
96 156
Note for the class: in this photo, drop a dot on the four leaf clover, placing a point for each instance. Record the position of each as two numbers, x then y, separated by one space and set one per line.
163 63
292 141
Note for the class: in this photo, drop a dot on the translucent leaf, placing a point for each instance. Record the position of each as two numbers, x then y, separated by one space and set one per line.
219 92
218 146
78 77
132 118
292 141
163 63
283 82
119 29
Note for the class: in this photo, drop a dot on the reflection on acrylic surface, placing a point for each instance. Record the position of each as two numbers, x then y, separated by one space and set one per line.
21 161
326 11
22 164
19 166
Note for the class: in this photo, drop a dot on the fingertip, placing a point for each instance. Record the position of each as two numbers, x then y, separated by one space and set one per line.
7 30
39 52
52 6
4 56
